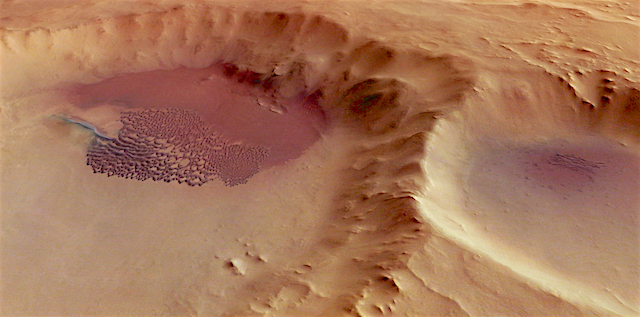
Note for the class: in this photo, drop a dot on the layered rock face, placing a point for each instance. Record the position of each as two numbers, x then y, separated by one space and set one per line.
319 159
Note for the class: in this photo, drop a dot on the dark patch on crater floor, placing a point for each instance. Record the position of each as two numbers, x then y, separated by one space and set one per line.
173 145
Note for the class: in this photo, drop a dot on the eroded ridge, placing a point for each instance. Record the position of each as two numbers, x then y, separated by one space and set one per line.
173 145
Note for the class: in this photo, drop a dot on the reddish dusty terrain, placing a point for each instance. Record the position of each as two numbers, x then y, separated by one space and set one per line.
241 107
346 158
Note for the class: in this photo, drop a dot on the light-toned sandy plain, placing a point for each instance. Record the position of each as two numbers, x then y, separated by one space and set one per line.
348 158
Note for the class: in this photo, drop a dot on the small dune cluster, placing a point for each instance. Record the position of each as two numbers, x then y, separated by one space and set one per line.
574 163
173 145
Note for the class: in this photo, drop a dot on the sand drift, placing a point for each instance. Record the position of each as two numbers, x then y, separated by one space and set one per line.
240 107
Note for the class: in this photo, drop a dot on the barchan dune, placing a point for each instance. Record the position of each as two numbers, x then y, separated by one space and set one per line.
344 158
